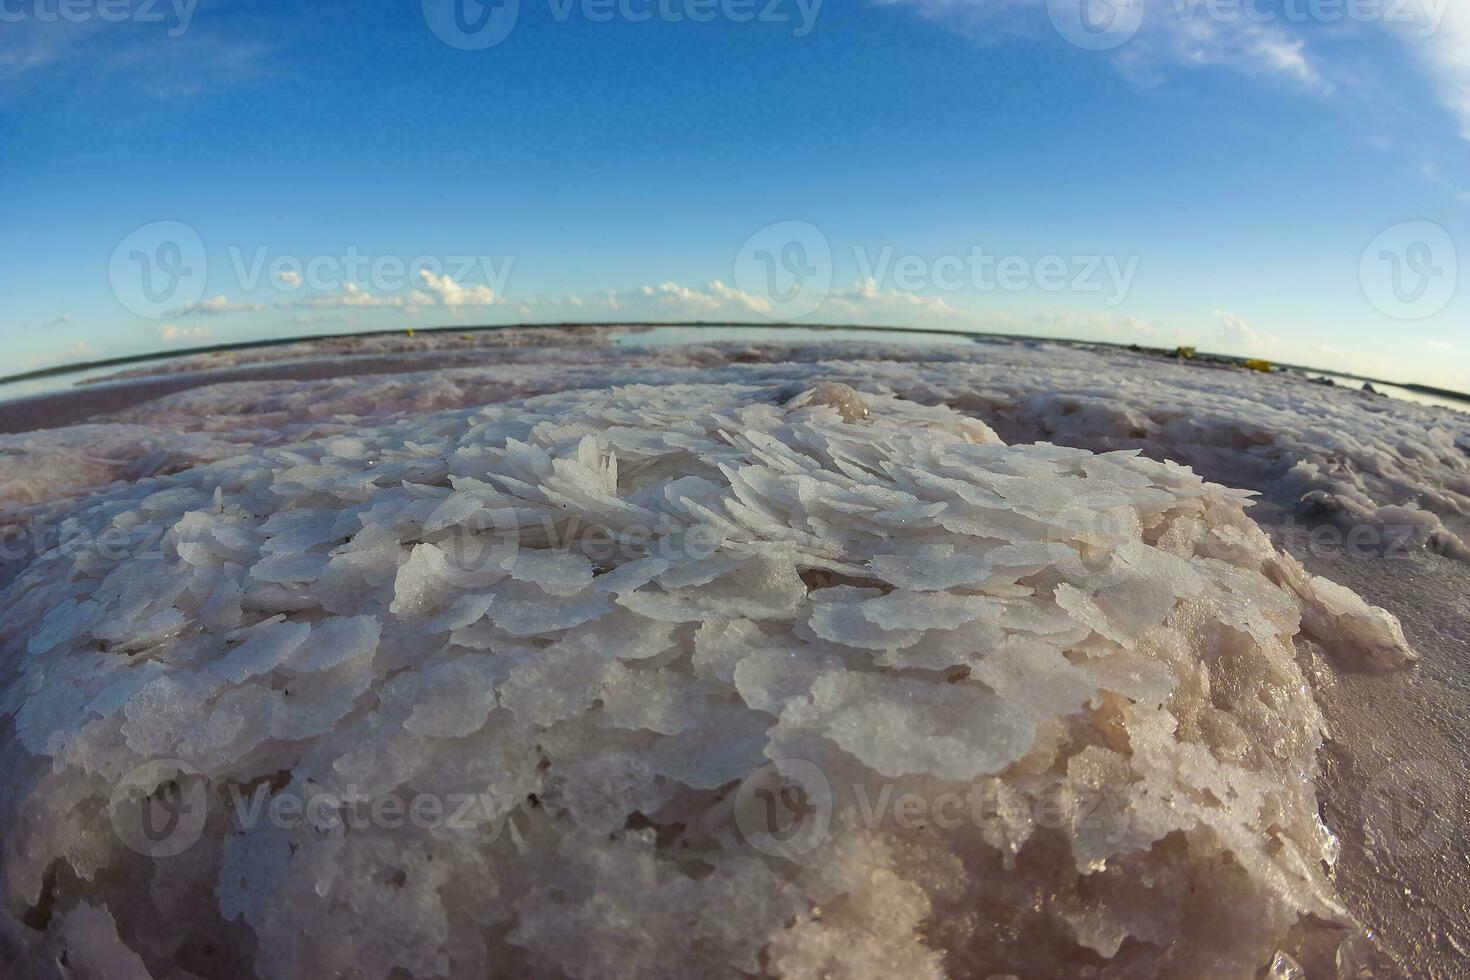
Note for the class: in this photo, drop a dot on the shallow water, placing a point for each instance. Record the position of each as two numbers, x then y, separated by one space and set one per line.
1397 391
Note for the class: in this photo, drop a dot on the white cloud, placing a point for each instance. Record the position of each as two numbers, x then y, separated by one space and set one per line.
1099 328
175 332
1438 36
1236 336
865 296
354 297
30 45
1184 34
1431 173
1443 346
289 277
714 297
1181 33
1173 33
215 306
194 58
440 291
719 301
455 295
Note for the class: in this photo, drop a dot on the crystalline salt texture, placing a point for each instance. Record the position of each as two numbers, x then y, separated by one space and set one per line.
426 567
265 648
290 568
630 575
726 744
663 701
465 611
158 717
336 641
522 609
63 624
768 679
558 684
898 727
1036 677
557 573
844 623
90 946
451 700
602 789
456 509
898 611
720 645
899 601
312 705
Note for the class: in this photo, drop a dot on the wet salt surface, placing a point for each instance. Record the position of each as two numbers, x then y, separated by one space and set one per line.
1394 784
357 355
1377 473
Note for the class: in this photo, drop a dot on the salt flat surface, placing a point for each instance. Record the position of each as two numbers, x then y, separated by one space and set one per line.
825 659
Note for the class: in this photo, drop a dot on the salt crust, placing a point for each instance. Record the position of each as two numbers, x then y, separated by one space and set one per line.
1400 469
599 612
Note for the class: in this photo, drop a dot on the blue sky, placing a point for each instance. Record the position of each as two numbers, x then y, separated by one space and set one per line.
1286 179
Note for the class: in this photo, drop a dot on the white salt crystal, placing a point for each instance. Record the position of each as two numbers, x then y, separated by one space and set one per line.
591 625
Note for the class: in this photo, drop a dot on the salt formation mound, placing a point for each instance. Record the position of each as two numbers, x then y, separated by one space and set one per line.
735 679
1397 471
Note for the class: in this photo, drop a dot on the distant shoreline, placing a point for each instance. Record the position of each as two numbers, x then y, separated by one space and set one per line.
1205 356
